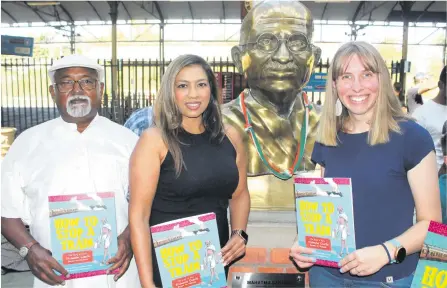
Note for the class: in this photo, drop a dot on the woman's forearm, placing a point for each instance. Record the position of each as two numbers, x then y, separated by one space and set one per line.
412 239
239 210
141 245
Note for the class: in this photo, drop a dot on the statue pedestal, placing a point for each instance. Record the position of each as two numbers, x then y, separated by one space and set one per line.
271 235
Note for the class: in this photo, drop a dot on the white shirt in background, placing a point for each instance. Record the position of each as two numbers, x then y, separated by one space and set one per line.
432 117
53 158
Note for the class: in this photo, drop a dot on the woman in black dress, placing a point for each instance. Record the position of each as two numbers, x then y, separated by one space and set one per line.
187 164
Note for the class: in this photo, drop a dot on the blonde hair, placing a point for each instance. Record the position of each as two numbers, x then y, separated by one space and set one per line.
167 116
387 110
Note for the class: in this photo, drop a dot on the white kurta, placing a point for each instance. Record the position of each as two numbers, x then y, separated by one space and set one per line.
53 158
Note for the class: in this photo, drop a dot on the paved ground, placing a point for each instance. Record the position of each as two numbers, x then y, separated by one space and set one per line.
17 280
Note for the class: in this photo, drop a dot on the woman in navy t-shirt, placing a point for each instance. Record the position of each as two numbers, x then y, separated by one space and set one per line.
364 135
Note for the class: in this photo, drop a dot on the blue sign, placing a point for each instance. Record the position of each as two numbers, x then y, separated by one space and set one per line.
317 83
19 46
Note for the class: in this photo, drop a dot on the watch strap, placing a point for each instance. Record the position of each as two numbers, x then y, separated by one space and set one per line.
396 245
387 252
30 244
239 233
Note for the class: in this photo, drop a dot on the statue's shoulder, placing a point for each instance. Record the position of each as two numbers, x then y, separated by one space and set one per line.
232 114
232 109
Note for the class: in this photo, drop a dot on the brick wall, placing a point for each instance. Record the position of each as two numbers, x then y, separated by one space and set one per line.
265 260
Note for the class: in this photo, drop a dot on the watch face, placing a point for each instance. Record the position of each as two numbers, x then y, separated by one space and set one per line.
23 252
244 235
400 255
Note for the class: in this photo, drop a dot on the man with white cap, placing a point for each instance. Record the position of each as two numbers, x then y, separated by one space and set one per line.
79 152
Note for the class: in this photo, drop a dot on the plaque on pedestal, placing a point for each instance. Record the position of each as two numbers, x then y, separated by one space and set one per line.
267 280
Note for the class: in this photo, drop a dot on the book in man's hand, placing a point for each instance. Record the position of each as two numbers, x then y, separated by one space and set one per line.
188 252
83 232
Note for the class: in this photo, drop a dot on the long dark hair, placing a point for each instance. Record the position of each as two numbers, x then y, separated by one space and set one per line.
168 117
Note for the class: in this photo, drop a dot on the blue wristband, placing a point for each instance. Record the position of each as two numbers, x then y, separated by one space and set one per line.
387 252
396 245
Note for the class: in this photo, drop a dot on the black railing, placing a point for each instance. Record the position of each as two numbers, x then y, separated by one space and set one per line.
26 101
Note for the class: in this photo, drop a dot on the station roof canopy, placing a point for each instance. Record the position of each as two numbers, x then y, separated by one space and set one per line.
198 11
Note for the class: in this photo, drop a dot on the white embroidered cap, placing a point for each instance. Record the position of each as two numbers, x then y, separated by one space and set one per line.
76 61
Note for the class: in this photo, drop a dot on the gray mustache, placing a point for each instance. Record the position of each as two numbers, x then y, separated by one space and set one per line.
77 97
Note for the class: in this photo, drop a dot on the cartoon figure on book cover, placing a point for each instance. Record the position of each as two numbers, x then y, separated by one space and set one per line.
104 239
342 230
210 261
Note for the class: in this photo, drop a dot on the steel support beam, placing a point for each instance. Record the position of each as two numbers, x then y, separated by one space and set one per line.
9 15
94 9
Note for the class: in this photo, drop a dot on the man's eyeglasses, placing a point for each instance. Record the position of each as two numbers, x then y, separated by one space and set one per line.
269 42
68 85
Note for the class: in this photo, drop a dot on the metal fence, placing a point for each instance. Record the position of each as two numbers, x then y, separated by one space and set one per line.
26 101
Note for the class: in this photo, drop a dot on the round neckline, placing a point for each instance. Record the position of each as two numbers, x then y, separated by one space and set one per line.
193 134
361 133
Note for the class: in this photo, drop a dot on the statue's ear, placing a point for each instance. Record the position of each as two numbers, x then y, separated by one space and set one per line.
236 55
317 53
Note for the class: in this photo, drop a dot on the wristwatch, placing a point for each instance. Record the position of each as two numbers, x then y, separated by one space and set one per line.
241 234
401 252
23 251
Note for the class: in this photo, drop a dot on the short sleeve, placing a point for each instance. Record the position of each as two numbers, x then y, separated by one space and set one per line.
139 120
418 143
412 92
418 114
13 197
318 155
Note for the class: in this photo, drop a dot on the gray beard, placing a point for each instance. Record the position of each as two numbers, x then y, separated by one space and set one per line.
78 110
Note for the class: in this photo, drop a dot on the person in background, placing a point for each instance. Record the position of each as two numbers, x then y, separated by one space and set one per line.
318 106
139 120
364 135
187 164
77 153
397 87
433 114
414 94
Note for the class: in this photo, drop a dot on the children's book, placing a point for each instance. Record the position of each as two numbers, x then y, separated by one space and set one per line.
325 218
83 232
188 252
431 270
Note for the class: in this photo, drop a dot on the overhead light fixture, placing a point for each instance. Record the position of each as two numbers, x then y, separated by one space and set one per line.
42 3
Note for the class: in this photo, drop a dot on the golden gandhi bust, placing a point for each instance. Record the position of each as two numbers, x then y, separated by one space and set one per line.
276 56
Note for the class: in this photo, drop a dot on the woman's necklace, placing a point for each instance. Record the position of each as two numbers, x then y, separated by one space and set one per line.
288 173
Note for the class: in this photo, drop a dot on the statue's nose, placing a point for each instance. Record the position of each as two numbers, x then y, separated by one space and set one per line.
282 54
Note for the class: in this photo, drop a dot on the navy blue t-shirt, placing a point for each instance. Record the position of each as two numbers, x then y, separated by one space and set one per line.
383 202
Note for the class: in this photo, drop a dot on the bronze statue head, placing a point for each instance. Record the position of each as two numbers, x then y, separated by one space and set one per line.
275 51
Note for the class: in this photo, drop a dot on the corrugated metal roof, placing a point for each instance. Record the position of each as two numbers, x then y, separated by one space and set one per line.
26 12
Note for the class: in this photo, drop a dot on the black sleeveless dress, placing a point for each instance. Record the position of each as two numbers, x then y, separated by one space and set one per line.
206 185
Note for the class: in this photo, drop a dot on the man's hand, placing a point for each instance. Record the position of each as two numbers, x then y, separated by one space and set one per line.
122 258
42 265
234 249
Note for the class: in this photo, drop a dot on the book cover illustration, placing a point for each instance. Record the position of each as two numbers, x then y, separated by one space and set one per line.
325 218
188 252
83 232
431 270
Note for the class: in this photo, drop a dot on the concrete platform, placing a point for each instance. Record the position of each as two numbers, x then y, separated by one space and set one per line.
17 280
